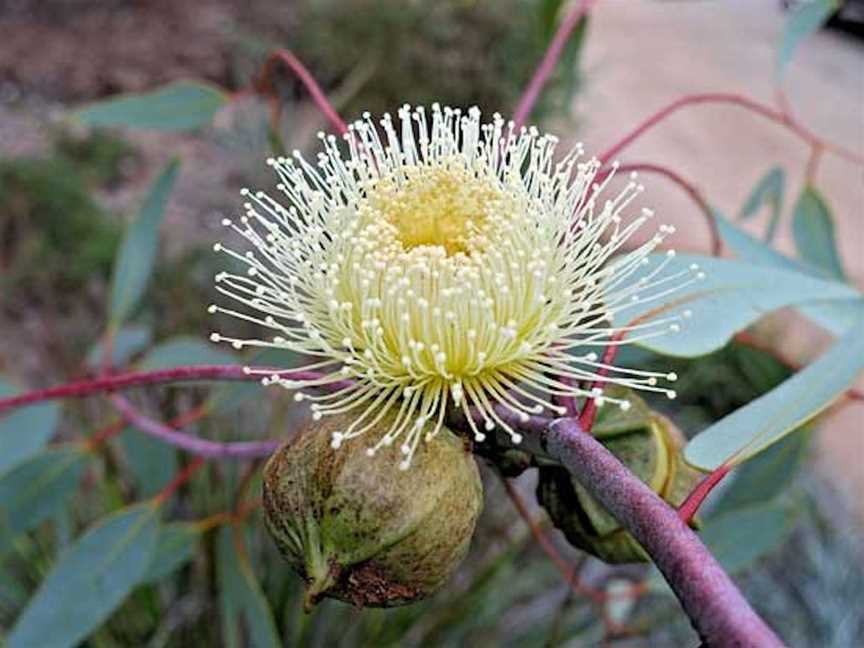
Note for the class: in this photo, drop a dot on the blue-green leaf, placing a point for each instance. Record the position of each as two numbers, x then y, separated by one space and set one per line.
799 25
137 254
240 595
24 431
152 462
766 476
230 395
178 106
837 316
754 427
732 296
174 548
37 489
90 580
126 342
813 229
768 191
185 350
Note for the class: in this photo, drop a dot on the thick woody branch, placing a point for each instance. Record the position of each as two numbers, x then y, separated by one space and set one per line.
715 606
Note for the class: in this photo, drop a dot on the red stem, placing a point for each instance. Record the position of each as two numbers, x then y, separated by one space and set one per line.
265 84
694 500
181 478
550 60
589 411
764 110
139 378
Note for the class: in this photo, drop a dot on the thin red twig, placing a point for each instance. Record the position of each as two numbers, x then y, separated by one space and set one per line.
117 382
690 506
764 110
550 60
265 85
589 410
181 478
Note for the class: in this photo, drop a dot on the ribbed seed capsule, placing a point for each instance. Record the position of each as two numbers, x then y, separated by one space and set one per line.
359 529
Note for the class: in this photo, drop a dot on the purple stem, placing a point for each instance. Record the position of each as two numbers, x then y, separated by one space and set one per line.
201 447
717 609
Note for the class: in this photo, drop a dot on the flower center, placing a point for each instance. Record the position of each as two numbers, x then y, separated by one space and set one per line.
445 205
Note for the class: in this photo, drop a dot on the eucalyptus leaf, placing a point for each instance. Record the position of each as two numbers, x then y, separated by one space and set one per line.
153 463
240 596
766 476
24 431
768 191
37 489
836 316
732 296
125 343
175 107
230 395
137 255
90 580
754 427
813 229
802 22
185 350
174 548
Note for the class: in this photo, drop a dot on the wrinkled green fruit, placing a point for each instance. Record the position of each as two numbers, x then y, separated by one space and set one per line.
359 529
650 446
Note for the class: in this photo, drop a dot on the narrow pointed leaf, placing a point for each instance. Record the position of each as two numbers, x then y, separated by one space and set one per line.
174 548
37 489
813 229
241 597
137 254
89 581
802 22
756 426
185 350
732 296
836 316
768 191
23 432
179 106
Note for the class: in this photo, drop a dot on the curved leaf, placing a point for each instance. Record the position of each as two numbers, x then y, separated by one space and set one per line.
752 428
241 596
89 580
836 316
732 296
137 253
801 23
768 191
813 229
174 548
178 106
23 432
152 462
39 487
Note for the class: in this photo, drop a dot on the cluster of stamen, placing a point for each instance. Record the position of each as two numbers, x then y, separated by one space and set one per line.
446 265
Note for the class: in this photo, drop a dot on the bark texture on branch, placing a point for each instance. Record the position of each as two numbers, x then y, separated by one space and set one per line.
717 609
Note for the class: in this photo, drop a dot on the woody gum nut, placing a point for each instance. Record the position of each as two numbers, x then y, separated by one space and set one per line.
359 529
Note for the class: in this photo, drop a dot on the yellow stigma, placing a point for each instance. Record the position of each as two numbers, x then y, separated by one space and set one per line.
442 205
442 263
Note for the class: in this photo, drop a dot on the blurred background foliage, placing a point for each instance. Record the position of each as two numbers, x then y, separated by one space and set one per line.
208 573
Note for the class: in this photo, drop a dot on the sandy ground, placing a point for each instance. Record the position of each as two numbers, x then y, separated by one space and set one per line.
642 55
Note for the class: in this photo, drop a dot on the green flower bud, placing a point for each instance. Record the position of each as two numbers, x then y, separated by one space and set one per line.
358 528
650 446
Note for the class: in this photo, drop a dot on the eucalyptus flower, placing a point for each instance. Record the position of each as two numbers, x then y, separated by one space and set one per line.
435 261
